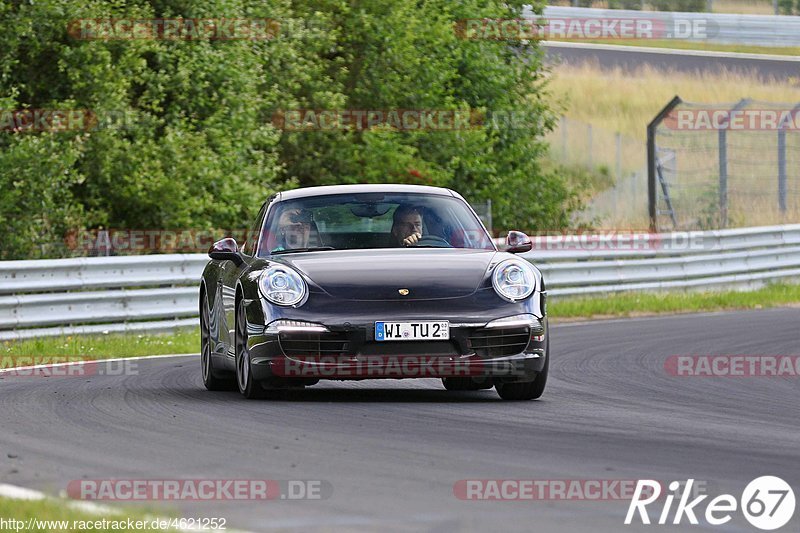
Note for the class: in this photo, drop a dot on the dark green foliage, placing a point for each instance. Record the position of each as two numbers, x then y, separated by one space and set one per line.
679 5
187 139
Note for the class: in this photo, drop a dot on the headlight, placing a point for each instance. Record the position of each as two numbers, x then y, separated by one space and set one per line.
514 280
282 286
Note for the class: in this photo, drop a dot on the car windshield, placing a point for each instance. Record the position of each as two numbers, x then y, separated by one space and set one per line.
370 220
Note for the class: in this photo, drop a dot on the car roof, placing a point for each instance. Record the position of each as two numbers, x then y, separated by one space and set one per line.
321 190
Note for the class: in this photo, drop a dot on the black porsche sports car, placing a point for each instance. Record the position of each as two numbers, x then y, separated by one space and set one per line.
372 281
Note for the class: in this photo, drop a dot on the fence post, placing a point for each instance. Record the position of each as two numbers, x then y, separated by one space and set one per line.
722 150
782 185
782 168
652 192
723 165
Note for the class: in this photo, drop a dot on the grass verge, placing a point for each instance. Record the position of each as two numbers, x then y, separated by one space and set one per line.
54 515
618 100
643 304
88 347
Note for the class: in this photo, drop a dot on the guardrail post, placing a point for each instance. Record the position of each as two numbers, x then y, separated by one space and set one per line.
652 191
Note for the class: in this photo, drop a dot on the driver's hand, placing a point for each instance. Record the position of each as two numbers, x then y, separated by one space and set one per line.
412 239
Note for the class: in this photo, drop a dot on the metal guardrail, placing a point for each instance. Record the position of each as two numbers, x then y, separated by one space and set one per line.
757 30
159 292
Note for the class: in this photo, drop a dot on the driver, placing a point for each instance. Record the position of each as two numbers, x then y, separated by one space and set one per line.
294 229
406 225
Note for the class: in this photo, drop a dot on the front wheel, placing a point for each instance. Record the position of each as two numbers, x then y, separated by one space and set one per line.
249 388
210 380
526 390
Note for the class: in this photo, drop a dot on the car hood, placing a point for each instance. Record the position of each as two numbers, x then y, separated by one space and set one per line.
427 273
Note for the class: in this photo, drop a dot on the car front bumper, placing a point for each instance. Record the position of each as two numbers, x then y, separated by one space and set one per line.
347 351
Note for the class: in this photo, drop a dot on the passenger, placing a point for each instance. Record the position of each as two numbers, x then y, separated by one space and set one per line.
294 229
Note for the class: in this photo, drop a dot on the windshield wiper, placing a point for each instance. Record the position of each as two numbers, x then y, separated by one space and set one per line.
312 249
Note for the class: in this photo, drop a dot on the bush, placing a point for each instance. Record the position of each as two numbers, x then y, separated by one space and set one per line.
194 146
789 7
680 5
625 4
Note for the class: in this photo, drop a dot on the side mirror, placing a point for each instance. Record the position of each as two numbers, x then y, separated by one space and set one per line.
226 250
517 242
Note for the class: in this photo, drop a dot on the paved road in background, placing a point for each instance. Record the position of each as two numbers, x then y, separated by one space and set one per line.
392 451
778 67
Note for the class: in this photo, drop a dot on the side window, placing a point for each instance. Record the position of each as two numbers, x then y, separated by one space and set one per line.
249 246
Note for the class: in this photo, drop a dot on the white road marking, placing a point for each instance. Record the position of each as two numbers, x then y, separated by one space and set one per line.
20 493
72 363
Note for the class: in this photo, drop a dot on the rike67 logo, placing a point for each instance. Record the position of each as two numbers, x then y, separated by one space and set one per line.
767 502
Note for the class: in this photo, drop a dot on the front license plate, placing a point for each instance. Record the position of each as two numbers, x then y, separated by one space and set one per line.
412 331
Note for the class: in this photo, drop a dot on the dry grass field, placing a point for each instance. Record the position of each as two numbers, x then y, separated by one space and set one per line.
618 101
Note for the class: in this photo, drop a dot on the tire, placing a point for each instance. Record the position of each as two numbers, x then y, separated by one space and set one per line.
248 387
462 384
526 390
211 379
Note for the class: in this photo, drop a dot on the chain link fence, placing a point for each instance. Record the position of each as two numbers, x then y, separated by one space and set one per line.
725 165
608 155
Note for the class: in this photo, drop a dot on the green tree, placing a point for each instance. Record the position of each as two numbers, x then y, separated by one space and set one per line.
185 137
406 55
182 141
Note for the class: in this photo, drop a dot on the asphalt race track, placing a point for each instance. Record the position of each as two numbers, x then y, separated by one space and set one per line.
392 451
633 58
